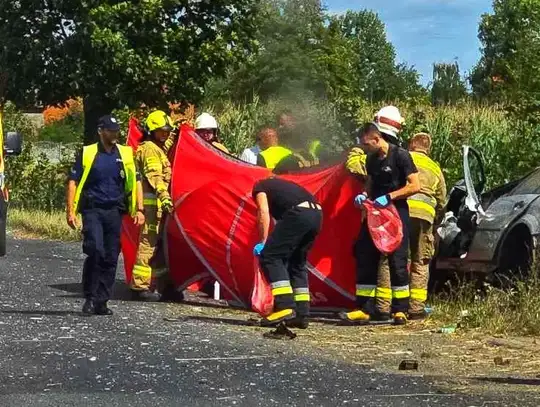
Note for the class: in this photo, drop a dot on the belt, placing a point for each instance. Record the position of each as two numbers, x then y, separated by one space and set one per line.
309 205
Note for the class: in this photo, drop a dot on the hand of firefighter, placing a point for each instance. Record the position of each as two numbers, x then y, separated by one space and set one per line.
72 221
383 201
360 199
257 250
167 205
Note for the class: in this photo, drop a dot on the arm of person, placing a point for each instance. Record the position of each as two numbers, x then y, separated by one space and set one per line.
412 185
440 196
263 216
152 171
74 178
139 218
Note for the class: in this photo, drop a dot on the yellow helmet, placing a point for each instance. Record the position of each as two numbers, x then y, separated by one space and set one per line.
159 120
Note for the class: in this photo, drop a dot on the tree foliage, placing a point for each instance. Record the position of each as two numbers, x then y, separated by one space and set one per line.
115 53
509 69
448 87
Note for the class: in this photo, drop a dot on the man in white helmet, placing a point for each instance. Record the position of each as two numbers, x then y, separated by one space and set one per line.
390 122
207 128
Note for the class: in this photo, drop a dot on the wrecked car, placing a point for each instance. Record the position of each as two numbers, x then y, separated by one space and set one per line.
489 232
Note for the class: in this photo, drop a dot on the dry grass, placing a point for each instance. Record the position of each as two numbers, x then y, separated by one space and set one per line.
41 224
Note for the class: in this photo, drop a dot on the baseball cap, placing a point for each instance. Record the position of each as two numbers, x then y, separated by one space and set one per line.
108 122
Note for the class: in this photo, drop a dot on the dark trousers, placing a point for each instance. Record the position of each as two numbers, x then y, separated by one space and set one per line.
367 267
101 244
284 257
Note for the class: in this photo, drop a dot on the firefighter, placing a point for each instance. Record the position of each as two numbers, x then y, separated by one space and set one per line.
283 254
272 153
207 128
103 184
151 157
424 208
392 177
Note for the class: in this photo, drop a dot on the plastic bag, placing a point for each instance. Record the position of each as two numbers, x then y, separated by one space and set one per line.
262 300
385 228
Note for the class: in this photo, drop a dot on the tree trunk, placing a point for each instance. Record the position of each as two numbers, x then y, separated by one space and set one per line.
94 108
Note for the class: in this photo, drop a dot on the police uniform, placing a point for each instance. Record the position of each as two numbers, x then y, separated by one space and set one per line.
284 256
387 174
106 189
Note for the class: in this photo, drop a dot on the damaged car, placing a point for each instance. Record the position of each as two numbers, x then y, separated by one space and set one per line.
492 232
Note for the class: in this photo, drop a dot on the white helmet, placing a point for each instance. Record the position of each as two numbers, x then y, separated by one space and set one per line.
205 121
389 121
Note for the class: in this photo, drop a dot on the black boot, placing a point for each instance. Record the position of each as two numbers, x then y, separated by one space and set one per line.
88 307
146 296
170 294
102 309
300 322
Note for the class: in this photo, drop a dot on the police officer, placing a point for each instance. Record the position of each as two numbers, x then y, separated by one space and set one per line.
392 177
283 254
103 184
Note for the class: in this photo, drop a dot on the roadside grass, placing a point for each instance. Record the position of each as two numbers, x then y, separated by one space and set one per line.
41 224
512 310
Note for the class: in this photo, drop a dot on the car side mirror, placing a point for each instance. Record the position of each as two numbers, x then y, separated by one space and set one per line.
13 144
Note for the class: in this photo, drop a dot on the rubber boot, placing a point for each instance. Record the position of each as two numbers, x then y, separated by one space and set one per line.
355 317
277 317
400 318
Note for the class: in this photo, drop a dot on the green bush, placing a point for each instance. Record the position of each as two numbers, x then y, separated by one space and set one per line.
14 120
70 129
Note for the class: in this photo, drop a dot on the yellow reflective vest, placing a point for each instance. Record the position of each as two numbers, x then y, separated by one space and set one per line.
156 173
356 162
273 155
129 174
432 196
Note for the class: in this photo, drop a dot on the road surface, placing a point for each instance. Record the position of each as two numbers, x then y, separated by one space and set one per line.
54 356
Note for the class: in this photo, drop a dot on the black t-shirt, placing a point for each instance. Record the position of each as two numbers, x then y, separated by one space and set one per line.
390 173
282 195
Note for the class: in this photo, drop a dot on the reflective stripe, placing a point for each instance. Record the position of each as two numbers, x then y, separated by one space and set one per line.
385 293
282 291
150 202
142 271
152 228
419 294
303 290
302 298
281 283
413 204
400 292
364 290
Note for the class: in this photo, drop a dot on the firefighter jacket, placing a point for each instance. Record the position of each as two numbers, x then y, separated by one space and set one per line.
155 171
431 199
356 162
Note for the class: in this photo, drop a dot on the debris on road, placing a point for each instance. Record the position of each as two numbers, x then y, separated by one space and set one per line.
408 364
281 332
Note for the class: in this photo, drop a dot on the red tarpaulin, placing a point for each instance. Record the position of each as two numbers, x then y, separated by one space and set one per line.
213 228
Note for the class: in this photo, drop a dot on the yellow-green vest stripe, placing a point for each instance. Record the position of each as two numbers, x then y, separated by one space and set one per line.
130 181
273 155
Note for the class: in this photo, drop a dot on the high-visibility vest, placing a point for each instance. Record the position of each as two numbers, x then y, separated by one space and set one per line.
422 205
314 147
273 155
130 174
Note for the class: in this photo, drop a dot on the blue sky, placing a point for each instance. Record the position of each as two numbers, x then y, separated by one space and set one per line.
427 31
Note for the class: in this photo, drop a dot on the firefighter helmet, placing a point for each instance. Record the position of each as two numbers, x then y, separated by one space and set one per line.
159 120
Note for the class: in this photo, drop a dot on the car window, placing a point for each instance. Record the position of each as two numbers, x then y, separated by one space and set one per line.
530 185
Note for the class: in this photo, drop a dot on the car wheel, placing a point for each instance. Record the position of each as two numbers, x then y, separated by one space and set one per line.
515 258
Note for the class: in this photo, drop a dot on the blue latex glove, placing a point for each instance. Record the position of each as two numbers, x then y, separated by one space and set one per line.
258 249
383 201
360 199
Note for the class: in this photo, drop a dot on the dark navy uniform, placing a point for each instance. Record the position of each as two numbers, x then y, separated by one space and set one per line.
102 203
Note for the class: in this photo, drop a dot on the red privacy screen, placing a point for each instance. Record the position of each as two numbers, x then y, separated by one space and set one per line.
212 231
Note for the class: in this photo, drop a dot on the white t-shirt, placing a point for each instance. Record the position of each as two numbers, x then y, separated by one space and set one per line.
249 155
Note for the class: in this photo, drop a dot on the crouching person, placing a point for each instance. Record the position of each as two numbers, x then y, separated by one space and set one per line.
283 254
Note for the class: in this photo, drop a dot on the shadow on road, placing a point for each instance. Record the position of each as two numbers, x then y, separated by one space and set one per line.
121 290
216 320
42 313
509 380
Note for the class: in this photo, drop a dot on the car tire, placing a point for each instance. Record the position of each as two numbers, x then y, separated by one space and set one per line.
516 258
3 223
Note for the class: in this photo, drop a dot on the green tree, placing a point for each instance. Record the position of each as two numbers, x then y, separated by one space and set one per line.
116 53
509 69
447 87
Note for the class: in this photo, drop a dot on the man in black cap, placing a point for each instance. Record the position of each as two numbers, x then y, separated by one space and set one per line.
103 184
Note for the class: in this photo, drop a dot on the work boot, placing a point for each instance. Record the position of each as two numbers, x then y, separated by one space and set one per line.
170 294
355 317
400 318
418 315
88 307
298 322
102 309
146 296
275 318
380 316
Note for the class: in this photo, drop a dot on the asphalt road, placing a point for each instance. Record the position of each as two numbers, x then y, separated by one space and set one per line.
54 356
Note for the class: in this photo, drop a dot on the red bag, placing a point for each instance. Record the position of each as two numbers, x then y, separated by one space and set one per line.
385 228
262 300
